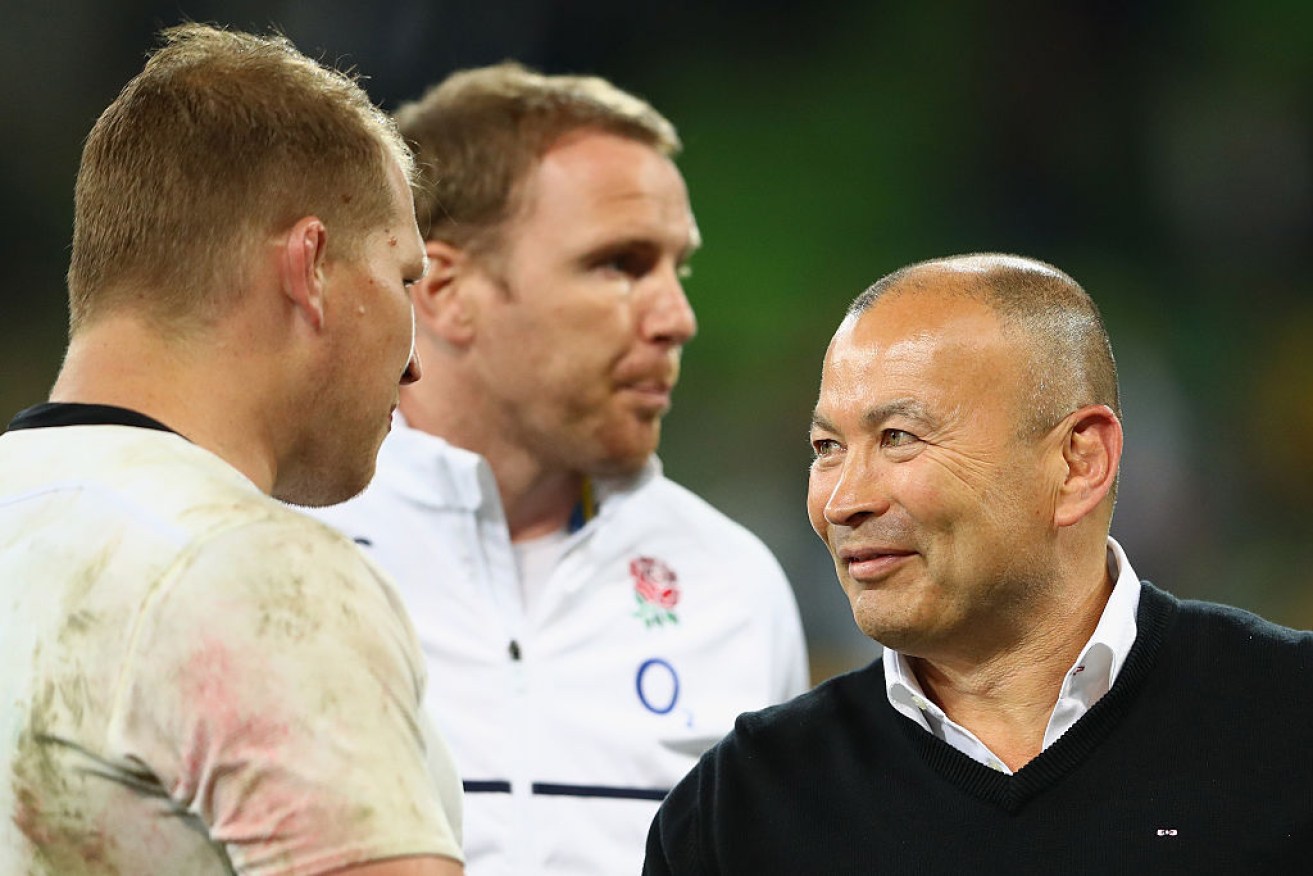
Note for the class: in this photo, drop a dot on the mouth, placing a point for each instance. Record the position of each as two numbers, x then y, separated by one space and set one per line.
650 396
873 563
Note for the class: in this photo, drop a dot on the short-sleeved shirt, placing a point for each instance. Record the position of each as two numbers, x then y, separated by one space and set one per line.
196 679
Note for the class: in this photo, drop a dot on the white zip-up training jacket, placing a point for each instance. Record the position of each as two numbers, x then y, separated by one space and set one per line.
570 714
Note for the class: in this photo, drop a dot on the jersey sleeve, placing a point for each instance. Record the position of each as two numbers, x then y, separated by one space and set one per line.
273 691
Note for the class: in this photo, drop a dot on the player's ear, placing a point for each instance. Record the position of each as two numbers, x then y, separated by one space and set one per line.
1091 452
301 268
442 299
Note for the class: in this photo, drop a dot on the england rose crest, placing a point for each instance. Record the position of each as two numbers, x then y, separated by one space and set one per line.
656 589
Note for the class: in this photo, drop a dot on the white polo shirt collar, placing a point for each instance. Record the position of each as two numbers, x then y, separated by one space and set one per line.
427 469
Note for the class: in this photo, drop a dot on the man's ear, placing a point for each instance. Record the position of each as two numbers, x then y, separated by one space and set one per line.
443 301
301 268
1091 450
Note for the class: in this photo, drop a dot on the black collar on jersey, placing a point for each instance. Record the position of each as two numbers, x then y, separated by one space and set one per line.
75 414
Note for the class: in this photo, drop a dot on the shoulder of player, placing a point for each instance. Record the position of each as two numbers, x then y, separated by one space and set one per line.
1253 636
266 539
679 507
279 582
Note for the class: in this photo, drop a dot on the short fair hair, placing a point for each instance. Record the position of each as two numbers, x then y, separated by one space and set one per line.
223 139
478 133
1070 364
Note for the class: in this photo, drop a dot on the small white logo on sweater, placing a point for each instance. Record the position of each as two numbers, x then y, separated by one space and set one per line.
1167 831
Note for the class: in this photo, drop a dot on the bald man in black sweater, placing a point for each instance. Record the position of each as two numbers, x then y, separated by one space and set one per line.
1038 708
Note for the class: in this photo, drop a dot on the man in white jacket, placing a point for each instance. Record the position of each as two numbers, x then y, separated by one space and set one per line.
590 627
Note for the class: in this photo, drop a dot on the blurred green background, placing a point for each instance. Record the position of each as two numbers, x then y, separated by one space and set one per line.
1161 153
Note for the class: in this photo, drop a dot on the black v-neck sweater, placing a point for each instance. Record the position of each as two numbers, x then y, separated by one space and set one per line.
1198 760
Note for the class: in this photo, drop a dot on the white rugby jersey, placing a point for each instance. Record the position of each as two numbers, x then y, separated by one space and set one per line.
570 714
193 678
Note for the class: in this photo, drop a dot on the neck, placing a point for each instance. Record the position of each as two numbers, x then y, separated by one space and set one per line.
538 495
1006 697
200 387
537 506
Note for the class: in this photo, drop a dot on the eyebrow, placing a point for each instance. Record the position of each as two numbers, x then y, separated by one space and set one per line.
819 421
639 241
901 407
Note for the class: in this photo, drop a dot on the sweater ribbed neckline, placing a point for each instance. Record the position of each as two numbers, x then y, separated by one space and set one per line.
1010 792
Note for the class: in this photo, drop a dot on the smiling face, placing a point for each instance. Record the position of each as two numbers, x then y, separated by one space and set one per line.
581 314
938 515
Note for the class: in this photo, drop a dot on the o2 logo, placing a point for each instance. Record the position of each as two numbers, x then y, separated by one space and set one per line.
657 683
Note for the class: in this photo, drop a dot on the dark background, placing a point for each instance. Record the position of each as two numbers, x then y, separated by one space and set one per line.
1161 153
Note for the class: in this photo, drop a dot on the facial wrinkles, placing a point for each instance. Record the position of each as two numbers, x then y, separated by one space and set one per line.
933 370
979 454
968 379
862 461
891 530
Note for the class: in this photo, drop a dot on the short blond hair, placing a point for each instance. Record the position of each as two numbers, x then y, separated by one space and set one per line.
221 140
477 134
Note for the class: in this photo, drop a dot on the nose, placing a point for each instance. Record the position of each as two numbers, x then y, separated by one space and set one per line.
413 370
668 317
857 493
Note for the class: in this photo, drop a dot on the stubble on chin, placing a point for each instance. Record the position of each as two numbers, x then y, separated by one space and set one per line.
620 451
331 477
